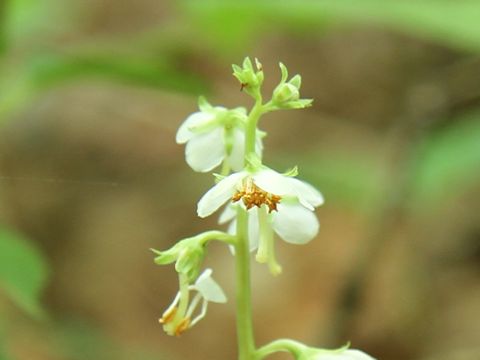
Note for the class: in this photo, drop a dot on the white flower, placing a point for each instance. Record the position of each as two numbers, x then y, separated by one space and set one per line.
214 135
349 354
178 316
290 201
274 201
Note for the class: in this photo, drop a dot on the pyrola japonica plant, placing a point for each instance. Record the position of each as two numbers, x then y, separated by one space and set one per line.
257 204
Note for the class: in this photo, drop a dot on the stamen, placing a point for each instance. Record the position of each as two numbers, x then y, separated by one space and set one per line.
252 196
168 315
182 326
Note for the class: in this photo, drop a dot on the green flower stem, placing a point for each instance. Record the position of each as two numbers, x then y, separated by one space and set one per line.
251 129
293 347
246 342
217 235
225 168
184 296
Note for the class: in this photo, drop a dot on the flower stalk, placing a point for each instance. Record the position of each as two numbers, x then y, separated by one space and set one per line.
246 342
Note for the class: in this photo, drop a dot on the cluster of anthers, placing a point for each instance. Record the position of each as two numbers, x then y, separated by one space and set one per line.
252 195
168 317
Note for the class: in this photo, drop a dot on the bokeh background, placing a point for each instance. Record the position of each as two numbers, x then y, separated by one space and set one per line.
91 95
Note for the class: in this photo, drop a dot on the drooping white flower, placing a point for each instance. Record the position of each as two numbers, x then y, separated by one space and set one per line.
274 201
214 135
179 315
348 354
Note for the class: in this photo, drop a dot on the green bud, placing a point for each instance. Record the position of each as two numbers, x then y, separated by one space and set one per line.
285 93
250 79
190 259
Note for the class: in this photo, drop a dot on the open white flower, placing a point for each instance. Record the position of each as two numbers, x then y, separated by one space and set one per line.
214 135
348 354
178 316
274 201
289 201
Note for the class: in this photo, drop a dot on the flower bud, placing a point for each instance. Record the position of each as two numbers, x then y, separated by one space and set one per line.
285 93
190 259
250 79
168 256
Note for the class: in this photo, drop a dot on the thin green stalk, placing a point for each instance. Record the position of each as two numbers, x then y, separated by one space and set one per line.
251 129
246 342
184 295
280 345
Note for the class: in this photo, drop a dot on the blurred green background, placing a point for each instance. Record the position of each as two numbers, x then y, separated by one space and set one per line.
91 95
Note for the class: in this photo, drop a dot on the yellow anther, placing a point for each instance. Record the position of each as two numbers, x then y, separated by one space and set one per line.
252 196
182 326
168 315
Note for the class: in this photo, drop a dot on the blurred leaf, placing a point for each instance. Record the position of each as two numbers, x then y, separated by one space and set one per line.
50 69
352 179
25 20
23 272
21 83
3 28
449 160
445 163
452 22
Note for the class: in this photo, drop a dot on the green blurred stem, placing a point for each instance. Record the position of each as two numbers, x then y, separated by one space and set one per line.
246 343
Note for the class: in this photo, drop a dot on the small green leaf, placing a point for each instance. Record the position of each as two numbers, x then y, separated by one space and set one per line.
23 272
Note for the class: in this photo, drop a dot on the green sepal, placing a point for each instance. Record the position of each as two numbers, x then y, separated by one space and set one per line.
204 105
168 256
296 81
299 104
291 172
218 177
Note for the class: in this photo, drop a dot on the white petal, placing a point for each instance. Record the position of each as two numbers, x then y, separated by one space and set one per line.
209 289
253 228
184 133
219 194
344 355
273 182
295 224
228 214
206 151
236 158
357 355
307 194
